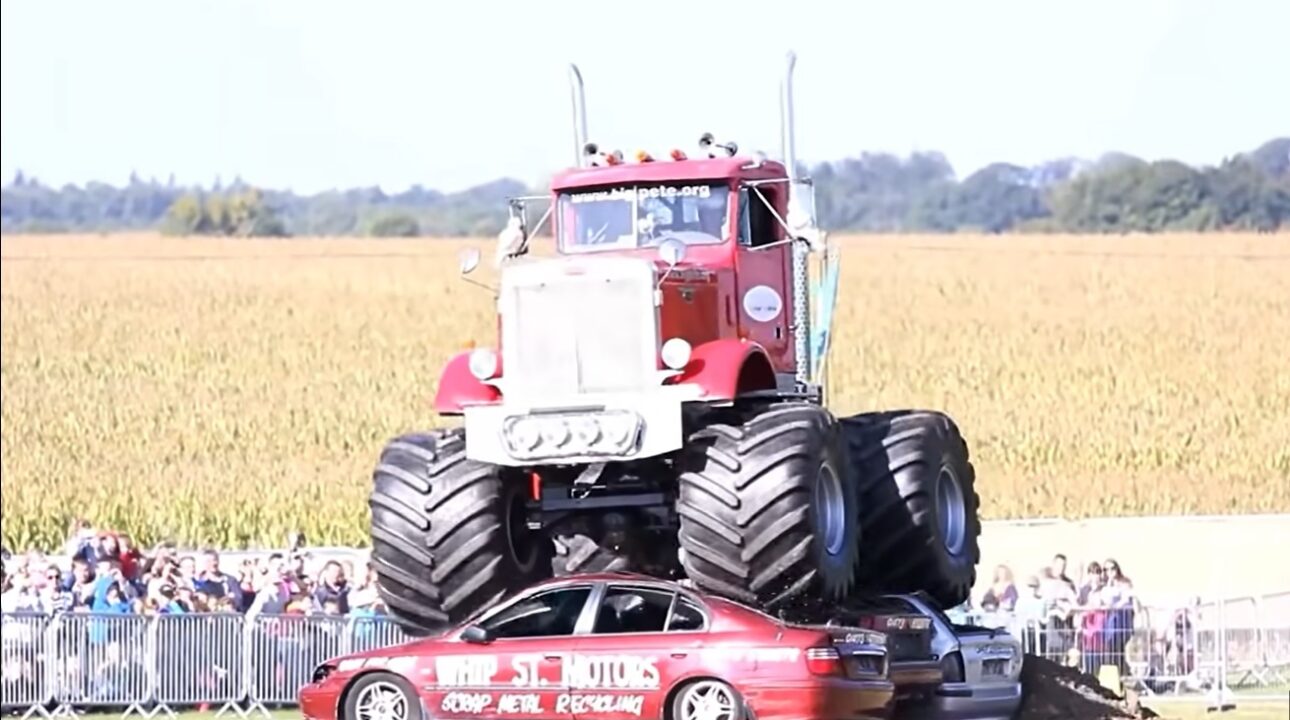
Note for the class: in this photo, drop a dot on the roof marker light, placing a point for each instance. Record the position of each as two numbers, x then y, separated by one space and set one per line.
642 156
677 154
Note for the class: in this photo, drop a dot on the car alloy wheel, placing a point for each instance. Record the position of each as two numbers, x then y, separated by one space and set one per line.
381 701
707 700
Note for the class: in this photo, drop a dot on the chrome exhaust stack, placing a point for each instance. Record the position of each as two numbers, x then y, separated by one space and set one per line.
788 137
579 117
801 273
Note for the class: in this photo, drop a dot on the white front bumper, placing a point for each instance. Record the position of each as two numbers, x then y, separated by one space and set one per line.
659 411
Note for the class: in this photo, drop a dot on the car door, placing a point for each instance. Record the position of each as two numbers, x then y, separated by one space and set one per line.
519 672
641 641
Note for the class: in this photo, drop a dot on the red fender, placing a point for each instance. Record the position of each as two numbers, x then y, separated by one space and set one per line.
458 388
727 367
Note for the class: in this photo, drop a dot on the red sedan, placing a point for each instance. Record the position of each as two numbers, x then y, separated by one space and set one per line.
612 646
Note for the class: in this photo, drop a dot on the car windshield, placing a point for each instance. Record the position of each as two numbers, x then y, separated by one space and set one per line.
637 216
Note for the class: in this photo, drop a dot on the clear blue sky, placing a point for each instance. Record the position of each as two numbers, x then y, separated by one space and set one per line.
312 95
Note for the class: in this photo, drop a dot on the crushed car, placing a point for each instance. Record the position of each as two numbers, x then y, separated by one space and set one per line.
612 646
914 667
981 668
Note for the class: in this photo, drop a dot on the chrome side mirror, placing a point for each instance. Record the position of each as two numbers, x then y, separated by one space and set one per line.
468 260
672 251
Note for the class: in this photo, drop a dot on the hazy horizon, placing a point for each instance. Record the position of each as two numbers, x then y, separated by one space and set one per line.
313 96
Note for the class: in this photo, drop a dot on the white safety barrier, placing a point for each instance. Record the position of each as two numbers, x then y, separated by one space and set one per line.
1201 651
230 663
150 665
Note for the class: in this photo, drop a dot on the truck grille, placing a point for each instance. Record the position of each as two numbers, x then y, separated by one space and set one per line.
581 334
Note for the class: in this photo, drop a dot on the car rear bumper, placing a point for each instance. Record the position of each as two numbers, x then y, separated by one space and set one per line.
960 701
915 678
825 699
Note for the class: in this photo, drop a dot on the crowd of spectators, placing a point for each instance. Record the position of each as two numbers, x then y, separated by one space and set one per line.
1087 624
108 574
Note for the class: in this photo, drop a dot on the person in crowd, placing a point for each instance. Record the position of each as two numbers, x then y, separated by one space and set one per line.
187 571
129 556
1119 599
274 588
1029 614
1060 598
79 583
1092 575
333 587
160 600
111 597
1002 594
17 596
215 583
1181 643
52 597
112 592
1058 572
248 575
1093 620
365 600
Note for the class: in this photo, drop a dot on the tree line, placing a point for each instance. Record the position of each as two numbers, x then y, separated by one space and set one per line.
873 192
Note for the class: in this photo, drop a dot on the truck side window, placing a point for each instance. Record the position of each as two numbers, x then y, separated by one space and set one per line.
745 222
763 228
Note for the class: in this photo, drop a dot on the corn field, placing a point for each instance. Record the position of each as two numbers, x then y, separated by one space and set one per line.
228 392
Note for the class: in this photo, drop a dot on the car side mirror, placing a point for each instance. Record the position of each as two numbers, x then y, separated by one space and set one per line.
476 634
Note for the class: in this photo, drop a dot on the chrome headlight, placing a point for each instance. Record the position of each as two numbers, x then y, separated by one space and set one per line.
483 364
676 353
611 432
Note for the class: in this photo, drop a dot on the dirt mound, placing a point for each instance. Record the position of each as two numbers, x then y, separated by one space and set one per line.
1054 692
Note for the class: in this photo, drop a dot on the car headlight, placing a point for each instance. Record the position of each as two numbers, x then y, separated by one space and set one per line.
483 364
613 432
323 671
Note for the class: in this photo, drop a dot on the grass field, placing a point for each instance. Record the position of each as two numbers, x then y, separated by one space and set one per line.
228 391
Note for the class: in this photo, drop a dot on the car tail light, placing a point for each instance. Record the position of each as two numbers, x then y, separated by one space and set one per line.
952 667
824 661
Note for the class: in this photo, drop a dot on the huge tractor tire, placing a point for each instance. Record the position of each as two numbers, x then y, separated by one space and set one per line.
449 535
918 503
768 511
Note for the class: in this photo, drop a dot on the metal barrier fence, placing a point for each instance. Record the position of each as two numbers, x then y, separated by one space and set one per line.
1208 650
54 666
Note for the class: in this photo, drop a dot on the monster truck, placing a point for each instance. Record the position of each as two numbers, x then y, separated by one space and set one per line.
656 402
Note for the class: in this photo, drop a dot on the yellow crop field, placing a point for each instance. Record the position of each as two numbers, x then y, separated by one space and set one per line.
228 391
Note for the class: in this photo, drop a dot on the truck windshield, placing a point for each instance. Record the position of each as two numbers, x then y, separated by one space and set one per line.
636 216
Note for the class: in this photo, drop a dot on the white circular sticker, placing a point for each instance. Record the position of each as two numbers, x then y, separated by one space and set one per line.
762 303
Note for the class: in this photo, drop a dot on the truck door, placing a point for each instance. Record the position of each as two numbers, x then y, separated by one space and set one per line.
763 288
